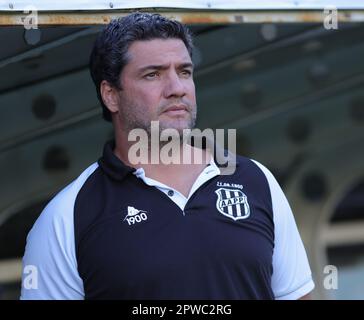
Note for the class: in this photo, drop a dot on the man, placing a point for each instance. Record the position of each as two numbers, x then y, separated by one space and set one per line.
162 231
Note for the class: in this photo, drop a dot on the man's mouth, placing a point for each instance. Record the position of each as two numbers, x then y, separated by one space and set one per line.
176 110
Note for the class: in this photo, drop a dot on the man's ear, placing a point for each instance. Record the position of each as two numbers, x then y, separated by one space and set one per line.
109 96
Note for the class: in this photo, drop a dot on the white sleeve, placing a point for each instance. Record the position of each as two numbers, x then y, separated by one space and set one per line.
49 263
291 277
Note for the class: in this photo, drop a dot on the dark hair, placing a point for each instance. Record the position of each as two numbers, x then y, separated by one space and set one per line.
109 54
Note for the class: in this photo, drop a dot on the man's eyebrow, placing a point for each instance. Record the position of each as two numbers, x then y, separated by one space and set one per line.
164 67
186 65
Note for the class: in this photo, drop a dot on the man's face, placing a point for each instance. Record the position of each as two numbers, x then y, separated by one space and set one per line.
157 84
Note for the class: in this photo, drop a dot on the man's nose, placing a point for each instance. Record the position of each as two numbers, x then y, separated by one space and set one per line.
174 86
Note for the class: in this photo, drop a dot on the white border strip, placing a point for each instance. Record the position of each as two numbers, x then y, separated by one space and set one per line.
70 5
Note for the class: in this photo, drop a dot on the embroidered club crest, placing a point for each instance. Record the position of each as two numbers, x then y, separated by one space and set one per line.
232 203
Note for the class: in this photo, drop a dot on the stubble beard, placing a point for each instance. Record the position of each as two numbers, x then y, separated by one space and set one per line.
136 120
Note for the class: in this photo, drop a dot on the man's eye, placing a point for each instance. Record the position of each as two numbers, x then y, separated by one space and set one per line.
186 73
151 75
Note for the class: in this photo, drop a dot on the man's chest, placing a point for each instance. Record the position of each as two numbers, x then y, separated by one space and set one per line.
144 239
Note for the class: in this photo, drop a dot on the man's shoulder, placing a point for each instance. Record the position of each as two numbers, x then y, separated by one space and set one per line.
257 175
252 166
60 207
69 193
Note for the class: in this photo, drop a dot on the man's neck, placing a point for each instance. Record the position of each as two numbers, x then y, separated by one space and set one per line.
187 155
186 165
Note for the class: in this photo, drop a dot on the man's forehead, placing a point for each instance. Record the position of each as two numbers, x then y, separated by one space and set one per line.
157 51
